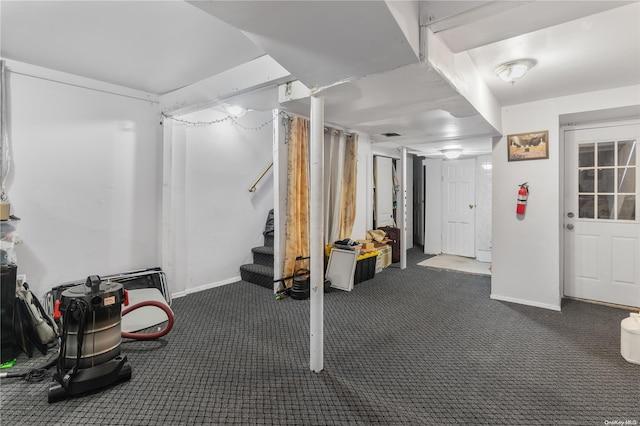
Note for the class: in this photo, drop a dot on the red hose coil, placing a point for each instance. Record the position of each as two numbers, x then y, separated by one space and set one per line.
157 334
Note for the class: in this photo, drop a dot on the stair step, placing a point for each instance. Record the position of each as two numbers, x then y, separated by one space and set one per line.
268 240
263 255
257 274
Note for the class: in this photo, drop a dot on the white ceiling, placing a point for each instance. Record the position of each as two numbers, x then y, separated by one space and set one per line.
153 46
367 52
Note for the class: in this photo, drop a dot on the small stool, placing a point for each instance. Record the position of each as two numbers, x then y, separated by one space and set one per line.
630 339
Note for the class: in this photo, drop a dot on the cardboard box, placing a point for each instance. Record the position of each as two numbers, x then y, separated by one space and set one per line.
384 258
382 243
4 211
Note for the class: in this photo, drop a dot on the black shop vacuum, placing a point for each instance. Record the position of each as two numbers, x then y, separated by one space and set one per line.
89 346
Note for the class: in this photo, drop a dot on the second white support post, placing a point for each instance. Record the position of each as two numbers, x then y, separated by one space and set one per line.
403 209
316 237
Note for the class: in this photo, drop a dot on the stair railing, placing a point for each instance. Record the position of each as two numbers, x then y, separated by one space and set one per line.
252 188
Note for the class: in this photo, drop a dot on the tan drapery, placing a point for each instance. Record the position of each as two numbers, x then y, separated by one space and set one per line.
348 199
340 172
334 149
297 232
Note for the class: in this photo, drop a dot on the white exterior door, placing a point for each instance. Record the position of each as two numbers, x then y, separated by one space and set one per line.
459 201
383 170
601 224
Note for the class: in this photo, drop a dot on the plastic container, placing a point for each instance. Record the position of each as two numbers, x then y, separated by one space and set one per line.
365 267
630 339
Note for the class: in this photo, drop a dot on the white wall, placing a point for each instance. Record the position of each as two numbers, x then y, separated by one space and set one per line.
483 207
222 219
527 253
85 181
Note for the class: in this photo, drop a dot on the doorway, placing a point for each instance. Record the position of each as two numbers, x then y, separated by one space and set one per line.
459 202
601 224
457 206
384 192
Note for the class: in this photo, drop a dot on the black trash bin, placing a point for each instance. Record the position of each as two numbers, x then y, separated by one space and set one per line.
300 287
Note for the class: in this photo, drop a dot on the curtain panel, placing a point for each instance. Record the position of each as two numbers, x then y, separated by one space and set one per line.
340 177
297 227
348 189
340 173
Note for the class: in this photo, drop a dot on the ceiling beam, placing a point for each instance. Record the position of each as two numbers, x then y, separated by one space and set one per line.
256 74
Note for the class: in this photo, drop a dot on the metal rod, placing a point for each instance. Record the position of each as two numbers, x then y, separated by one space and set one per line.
252 188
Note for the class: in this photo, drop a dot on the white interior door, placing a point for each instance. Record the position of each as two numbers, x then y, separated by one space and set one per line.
601 226
384 191
458 192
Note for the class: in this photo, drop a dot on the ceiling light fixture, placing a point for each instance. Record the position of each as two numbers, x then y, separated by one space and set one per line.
235 110
514 70
451 154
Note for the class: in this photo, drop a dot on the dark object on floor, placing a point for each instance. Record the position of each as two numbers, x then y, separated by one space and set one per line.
36 374
365 269
7 304
300 287
89 356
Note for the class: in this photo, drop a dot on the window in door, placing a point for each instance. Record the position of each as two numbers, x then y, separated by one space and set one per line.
607 180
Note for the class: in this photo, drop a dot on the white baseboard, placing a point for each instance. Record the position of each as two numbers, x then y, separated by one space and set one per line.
526 302
204 287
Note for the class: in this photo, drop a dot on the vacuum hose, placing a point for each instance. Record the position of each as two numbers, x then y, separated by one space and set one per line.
150 336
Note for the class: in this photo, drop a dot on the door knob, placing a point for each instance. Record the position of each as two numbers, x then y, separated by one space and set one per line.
569 226
570 214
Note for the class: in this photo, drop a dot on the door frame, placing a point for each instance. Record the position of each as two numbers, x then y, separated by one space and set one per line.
443 206
563 164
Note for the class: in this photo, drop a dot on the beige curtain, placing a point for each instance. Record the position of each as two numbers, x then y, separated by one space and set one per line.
297 233
349 177
340 172
334 150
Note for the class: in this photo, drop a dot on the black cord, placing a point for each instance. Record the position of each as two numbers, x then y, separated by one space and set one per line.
77 310
34 375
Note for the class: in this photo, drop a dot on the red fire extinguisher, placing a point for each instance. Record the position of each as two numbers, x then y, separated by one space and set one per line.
523 194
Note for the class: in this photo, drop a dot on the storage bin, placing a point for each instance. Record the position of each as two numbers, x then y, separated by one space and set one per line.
365 267
630 339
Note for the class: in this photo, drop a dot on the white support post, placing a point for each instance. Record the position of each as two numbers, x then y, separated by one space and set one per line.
403 209
316 160
167 253
277 205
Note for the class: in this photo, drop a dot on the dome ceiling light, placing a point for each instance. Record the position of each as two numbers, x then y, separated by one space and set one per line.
451 153
514 70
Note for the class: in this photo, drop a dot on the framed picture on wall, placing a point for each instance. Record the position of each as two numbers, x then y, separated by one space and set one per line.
528 146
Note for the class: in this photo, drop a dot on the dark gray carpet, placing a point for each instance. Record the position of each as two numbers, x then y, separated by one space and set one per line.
416 346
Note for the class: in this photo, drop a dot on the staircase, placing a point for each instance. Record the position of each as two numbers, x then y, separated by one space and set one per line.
260 272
